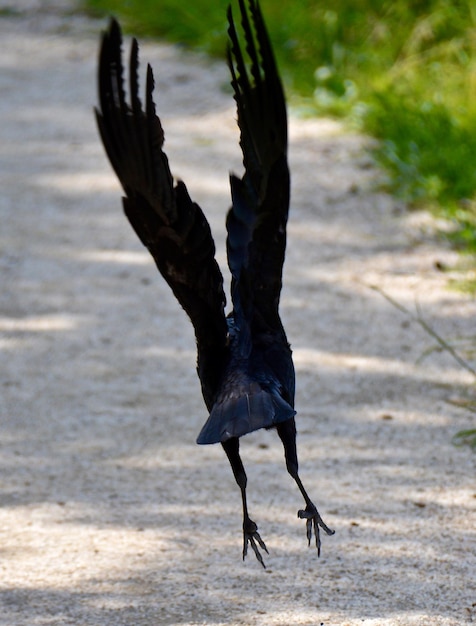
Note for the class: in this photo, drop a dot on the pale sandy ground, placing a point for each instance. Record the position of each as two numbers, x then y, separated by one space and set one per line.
110 514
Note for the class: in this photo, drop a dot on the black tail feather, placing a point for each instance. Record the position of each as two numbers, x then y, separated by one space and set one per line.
244 414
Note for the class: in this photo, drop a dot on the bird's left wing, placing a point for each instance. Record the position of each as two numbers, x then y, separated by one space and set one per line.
167 221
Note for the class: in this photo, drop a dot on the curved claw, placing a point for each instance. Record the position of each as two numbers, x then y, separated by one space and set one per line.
252 536
312 517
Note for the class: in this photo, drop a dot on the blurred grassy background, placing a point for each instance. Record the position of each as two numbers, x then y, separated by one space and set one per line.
403 71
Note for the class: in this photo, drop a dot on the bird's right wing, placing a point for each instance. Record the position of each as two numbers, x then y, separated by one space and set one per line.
168 223
257 220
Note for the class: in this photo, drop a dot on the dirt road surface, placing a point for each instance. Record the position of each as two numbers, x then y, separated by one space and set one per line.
110 514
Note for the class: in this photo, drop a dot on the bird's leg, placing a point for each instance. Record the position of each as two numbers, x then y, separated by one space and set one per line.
250 528
287 432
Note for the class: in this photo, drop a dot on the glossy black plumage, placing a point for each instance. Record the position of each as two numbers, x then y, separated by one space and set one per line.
244 360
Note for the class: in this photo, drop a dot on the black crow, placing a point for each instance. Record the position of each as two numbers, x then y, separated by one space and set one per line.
244 360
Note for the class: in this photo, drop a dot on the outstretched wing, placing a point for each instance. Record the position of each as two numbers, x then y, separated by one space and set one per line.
256 223
168 223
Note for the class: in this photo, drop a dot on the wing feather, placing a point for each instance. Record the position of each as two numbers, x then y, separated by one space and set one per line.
256 244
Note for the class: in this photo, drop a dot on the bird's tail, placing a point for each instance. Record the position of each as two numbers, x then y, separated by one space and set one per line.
243 413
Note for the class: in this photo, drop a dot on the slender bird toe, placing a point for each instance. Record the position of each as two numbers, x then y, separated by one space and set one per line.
254 540
313 524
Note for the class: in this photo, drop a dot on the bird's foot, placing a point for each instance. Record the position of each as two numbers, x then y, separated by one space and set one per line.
313 519
252 536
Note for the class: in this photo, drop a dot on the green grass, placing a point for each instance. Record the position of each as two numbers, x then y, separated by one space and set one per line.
404 71
466 437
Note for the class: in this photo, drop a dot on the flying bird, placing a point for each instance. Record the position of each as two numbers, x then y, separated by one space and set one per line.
244 361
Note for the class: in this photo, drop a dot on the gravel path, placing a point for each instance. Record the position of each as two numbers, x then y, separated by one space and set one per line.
110 514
